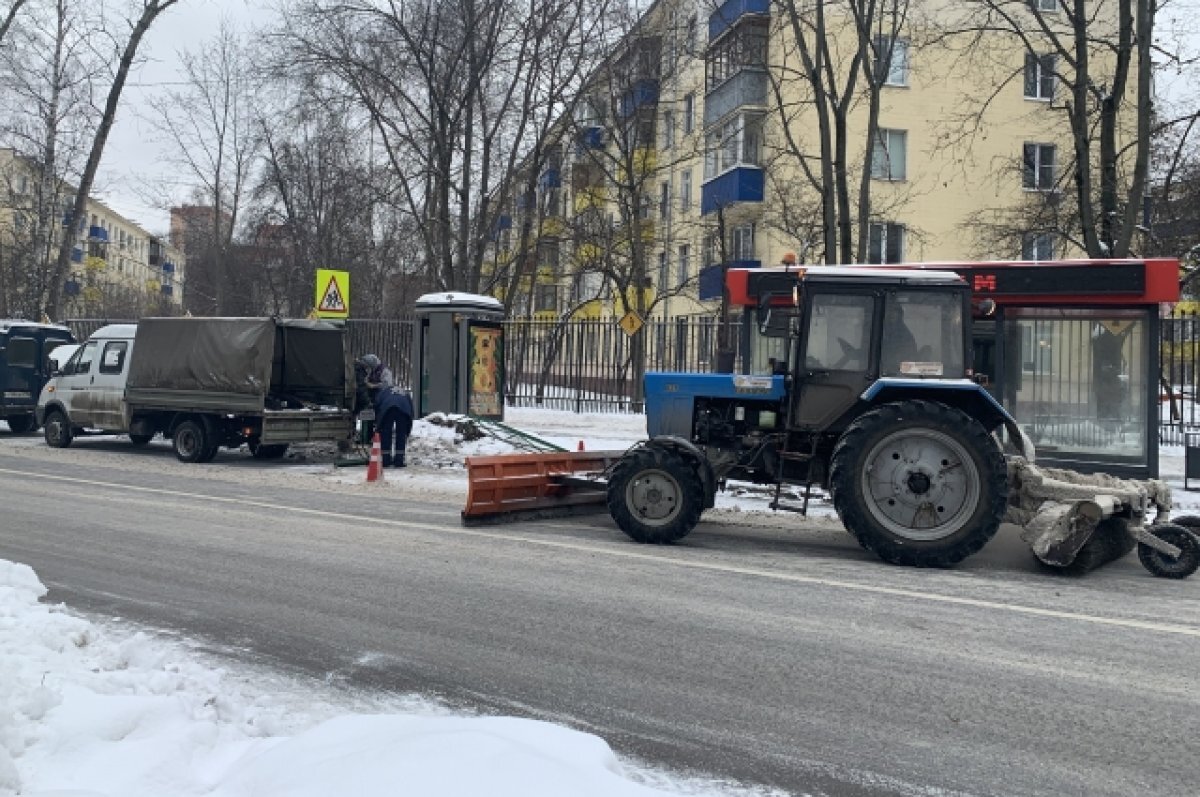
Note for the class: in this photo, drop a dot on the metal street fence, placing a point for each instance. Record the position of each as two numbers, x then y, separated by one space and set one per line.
587 366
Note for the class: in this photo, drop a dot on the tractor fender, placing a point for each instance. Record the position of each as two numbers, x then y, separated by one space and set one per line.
690 451
962 394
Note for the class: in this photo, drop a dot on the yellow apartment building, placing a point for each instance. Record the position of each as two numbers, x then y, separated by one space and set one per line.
690 146
116 264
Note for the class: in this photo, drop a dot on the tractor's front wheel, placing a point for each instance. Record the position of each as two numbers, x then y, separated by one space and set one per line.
1182 538
919 483
655 496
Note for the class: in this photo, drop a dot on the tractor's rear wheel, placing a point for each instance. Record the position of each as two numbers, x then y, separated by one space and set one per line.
919 483
655 496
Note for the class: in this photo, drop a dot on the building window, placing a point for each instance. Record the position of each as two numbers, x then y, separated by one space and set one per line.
1038 167
545 299
891 61
1037 246
888 156
1039 77
737 142
741 242
684 265
1044 6
664 200
663 265
668 129
689 113
744 47
885 243
685 191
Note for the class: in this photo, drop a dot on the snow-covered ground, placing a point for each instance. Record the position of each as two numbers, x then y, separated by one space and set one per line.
93 706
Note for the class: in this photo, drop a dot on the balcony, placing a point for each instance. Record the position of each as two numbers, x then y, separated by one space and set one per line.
591 137
71 287
168 267
551 178
168 290
97 234
748 87
590 197
76 255
740 184
731 11
642 93
711 286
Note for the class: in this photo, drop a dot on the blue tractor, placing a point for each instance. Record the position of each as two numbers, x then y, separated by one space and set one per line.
860 383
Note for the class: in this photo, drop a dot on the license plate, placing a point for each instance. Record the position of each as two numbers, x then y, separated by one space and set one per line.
17 394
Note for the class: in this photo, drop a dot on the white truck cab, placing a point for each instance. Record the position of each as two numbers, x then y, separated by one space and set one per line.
88 390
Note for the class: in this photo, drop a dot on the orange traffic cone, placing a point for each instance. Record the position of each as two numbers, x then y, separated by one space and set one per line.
375 461
580 446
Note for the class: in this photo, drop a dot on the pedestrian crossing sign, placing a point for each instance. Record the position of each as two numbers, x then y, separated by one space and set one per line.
333 294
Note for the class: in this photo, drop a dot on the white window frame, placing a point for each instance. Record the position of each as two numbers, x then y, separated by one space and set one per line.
886 230
737 142
1037 175
668 129
689 112
741 242
1042 78
685 191
664 265
1045 6
683 263
889 156
664 200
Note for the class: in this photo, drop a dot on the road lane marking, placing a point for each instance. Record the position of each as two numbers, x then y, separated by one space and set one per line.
635 555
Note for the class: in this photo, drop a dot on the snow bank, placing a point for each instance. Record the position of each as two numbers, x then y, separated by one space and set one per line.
99 711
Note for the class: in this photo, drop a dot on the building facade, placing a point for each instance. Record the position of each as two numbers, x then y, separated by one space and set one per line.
117 267
697 145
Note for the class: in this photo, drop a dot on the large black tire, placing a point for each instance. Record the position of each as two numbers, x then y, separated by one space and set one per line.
269 451
21 424
1164 566
655 496
919 483
57 430
191 442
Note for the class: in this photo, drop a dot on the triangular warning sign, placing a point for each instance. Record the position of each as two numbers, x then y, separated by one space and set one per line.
332 300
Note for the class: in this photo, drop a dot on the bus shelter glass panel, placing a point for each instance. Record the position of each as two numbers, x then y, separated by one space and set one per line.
1076 381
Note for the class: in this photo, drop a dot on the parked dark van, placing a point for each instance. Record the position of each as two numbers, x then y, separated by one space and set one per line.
24 367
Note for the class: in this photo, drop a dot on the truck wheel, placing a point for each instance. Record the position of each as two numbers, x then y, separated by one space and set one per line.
57 430
654 496
919 483
191 442
1164 566
269 451
21 424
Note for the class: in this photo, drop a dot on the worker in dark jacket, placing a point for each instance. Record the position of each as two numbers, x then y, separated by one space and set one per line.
394 417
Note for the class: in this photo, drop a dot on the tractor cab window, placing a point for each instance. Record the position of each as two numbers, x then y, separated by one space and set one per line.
922 335
774 333
839 332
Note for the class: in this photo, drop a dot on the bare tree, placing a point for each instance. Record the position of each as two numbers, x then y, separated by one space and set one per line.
48 74
13 9
1092 60
837 57
128 52
211 123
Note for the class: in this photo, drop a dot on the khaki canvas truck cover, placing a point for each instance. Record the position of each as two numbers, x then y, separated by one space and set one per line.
239 364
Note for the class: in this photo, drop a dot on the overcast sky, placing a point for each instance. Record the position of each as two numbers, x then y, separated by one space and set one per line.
134 163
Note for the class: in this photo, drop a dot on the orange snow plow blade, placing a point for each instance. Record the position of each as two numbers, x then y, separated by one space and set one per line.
512 486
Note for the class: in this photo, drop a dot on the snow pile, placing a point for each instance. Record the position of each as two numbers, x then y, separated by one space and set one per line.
97 711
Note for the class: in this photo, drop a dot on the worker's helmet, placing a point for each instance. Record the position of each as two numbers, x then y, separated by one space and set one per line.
370 361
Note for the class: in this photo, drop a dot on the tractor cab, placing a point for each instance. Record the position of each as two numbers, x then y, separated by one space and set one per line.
837 331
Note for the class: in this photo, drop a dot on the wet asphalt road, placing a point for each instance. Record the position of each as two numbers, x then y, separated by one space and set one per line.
770 655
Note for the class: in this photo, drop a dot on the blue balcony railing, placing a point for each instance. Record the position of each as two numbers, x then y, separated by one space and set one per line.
740 184
97 233
71 288
710 278
731 11
642 93
167 290
168 267
76 255
551 178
